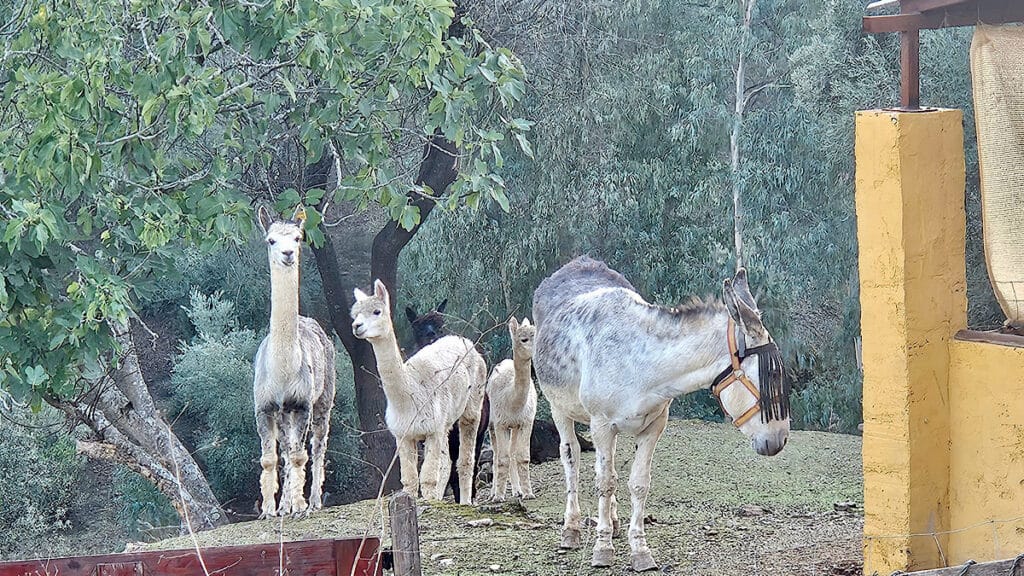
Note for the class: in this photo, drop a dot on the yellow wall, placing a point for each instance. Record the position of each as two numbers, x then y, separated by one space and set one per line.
987 452
910 228
943 420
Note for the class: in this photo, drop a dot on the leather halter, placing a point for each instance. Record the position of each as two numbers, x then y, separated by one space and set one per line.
734 373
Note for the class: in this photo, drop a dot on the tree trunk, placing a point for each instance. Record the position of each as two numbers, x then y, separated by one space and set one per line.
356 267
128 429
734 138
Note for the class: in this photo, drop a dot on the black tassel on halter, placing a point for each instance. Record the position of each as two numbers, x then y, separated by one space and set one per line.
774 399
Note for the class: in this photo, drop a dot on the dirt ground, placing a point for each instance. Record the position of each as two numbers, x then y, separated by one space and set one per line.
715 508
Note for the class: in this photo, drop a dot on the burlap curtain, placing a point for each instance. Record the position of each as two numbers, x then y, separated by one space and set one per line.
997 68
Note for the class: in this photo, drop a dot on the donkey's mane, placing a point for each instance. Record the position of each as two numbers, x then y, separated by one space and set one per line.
697 306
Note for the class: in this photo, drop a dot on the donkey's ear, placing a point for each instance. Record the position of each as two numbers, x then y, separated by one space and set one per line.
729 298
381 291
300 215
411 314
742 289
360 295
441 306
740 311
263 218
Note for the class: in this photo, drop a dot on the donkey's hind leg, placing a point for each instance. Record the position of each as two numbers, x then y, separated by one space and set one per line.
639 487
569 450
606 479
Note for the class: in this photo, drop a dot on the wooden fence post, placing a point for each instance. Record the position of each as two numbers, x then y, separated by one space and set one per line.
405 534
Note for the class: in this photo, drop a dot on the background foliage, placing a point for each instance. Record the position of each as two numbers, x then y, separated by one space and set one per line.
631 104
39 472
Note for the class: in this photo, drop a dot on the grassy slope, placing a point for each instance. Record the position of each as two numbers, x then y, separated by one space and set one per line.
702 473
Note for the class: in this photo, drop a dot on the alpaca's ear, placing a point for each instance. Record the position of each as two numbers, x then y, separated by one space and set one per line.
381 291
263 218
513 325
526 322
441 306
300 215
360 295
411 314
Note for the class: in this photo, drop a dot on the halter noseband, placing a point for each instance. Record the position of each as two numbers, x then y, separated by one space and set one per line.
734 373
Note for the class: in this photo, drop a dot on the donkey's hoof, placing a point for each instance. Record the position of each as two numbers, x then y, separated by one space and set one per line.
603 557
642 561
570 539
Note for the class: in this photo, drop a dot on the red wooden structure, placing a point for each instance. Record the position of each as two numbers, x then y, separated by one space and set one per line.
344 557
917 15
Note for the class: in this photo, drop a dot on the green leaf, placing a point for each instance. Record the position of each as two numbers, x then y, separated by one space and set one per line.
524 144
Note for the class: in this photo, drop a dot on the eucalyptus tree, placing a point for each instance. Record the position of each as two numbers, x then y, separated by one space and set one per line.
129 130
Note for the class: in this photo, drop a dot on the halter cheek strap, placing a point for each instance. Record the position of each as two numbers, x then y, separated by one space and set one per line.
734 373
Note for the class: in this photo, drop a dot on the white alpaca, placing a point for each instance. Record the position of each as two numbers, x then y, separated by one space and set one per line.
441 384
513 408
293 390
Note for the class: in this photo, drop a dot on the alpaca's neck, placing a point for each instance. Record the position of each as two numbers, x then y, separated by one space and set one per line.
686 356
521 382
390 366
284 316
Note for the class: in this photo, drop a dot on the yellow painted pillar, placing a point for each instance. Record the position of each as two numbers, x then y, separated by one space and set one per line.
910 232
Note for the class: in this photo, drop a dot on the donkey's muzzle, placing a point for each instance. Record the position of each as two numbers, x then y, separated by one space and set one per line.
770 444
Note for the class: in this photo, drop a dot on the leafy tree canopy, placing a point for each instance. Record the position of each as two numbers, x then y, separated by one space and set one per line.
131 129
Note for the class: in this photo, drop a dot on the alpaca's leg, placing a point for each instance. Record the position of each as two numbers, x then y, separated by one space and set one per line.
294 423
408 460
500 445
318 449
466 462
639 487
513 461
521 454
431 467
606 478
569 450
266 425
444 468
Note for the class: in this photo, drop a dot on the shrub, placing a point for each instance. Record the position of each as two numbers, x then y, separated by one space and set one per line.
212 384
39 471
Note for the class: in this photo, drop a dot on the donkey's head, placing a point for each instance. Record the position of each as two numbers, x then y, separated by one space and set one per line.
428 328
523 336
753 389
283 237
371 313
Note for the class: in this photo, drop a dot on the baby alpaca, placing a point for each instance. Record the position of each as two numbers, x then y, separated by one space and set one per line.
513 408
441 384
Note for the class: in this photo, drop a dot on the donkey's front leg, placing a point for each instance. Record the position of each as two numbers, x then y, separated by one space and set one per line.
606 478
569 450
639 487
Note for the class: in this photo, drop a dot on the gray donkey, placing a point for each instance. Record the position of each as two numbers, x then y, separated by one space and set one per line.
294 385
607 358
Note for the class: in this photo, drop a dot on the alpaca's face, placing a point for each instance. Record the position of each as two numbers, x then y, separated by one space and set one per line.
523 336
371 314
284 240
